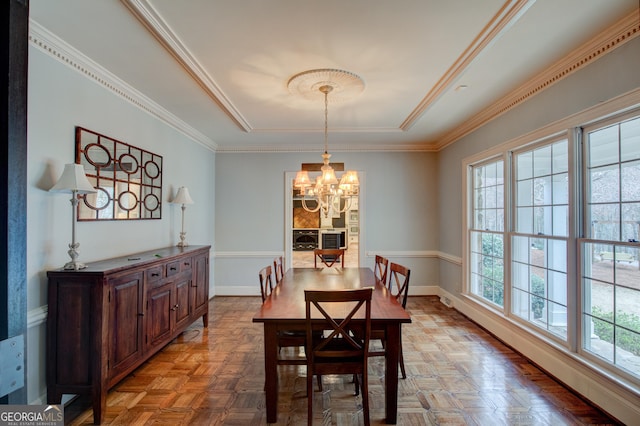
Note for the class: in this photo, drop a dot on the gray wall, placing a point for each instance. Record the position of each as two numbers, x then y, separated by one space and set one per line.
398 207
611 76
60 98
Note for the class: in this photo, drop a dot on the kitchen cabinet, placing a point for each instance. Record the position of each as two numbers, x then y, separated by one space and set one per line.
106 320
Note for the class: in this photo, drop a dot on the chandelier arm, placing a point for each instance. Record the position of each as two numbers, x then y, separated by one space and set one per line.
307 208
347 204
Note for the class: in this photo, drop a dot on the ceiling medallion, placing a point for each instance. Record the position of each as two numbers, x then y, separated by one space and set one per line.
328 194
345 85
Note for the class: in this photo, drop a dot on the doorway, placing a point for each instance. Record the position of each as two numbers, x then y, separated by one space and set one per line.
305 231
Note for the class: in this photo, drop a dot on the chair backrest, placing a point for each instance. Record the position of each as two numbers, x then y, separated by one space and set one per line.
328 257
399 282
266 284
278 268
337 342
380 269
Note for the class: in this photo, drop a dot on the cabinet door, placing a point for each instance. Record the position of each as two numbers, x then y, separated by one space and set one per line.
181 307
125 321
160 305
200 284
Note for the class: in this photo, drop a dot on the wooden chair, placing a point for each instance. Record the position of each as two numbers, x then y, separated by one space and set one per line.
380 269
266 284
328 257
337 350
399 288
286 338
278 268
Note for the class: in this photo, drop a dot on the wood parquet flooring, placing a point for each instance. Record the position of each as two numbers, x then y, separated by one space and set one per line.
457 374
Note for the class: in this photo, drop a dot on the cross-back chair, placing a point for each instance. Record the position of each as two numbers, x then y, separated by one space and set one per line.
286 338
338 350
328 257
278 268
380 269
398 286
266 283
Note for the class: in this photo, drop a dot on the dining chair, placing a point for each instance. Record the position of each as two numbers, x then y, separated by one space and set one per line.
328 257
278 268
380 269
286 338
398 286
338 350
266 283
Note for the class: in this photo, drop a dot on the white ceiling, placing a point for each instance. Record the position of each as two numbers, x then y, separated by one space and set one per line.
219 68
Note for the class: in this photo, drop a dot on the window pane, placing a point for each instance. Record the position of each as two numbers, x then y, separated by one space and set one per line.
600 339
605 220
630 222
561 221
542 161
525 220
626 270
557 255
542 191
525 192
542 224
557 287
599 297
604 184
561 189
560 157
520 248
630 140
630 181
627 352
520 303
525 165
603 146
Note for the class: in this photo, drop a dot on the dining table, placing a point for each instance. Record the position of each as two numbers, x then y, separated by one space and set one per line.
284 309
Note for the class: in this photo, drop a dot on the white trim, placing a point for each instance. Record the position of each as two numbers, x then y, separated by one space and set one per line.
456 260
37 316
50 44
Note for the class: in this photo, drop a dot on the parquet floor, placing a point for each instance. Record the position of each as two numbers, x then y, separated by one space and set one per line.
457 375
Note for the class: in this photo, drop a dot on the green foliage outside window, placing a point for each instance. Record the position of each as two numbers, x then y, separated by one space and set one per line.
626 340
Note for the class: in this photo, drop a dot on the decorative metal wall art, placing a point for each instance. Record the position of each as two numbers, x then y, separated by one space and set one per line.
128 179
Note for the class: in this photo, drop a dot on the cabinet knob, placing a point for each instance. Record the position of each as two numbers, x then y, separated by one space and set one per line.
173 268
155 274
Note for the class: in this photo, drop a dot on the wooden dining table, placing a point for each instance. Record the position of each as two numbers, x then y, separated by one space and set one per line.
284 309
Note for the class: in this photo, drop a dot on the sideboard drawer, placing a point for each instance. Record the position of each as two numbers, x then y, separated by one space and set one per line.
154 273
174 268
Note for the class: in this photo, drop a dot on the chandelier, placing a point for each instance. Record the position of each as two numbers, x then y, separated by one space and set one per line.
329 195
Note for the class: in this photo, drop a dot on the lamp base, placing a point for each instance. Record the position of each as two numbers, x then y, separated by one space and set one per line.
182 244
74 266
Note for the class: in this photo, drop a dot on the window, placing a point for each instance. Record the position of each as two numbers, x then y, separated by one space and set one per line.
610 253
539 245
555 242
487 264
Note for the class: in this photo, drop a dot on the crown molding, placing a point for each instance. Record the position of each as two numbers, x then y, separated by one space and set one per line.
422 147
148 16
615 36
50 44
510 12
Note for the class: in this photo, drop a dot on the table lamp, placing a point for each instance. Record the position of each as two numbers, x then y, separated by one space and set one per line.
182 197
73 181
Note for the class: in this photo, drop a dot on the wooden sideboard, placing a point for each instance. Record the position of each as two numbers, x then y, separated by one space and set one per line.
106 320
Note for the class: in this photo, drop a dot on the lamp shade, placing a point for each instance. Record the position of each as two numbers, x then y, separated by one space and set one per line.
73 179
182 197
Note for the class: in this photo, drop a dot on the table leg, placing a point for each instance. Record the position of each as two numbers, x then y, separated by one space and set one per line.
392 352
271 371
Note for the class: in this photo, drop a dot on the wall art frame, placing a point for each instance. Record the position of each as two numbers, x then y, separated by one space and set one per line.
128 179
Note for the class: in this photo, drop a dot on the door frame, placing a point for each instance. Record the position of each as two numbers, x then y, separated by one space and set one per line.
289 177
